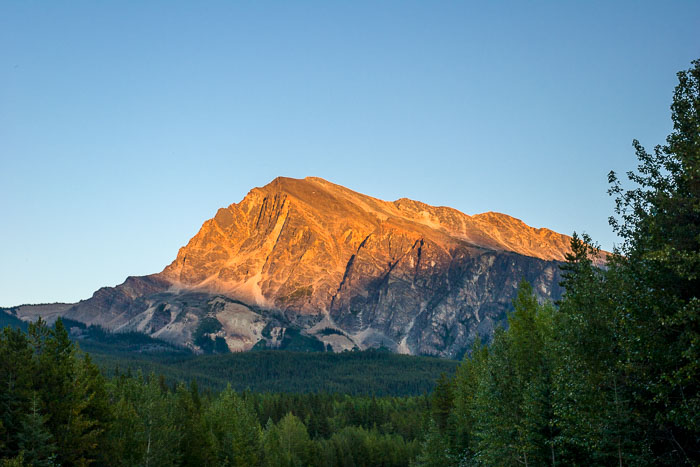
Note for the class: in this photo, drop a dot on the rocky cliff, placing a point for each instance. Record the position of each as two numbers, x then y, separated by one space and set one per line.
313 260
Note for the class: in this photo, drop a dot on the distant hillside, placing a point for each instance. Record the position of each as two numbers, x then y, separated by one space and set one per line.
7 319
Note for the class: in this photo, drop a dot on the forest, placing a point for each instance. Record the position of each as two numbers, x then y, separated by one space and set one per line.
367 372
608 375
58 409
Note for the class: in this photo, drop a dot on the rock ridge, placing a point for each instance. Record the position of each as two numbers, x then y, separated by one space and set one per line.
339 267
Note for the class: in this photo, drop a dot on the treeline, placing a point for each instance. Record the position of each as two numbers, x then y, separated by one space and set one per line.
56 408
371 371
360 372
610 375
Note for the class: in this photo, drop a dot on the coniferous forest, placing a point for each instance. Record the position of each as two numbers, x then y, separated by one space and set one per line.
609 375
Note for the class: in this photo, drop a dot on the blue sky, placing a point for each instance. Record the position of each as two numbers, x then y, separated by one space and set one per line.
125 125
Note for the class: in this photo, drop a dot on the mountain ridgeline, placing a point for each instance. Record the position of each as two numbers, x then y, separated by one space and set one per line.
308 263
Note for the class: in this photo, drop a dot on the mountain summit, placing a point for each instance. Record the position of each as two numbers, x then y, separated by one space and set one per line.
305 260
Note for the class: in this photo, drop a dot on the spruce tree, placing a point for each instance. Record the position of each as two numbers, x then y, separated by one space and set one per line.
35 442
16 384
467 378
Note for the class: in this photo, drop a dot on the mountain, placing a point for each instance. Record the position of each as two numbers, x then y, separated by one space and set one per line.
313 265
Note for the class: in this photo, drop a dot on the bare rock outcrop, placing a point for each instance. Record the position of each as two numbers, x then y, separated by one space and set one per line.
340 267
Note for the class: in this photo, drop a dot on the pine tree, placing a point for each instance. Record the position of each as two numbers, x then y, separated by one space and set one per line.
592 408
34 440
16 382
195 442
72 394
435 450
469 374
442 403
513 407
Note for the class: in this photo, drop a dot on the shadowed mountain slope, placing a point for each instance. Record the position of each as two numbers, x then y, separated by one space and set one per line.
330 264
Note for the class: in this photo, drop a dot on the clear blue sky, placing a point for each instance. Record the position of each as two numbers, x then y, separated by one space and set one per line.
125 125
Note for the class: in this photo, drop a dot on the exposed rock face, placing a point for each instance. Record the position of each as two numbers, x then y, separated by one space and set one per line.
347 268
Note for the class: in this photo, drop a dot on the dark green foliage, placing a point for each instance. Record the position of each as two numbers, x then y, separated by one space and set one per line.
612 376
144 430
207 325
220 345
53 403
17 367
292 340
592 409
287 443
657 273
466 384
367 372
195 446
436 450
357 446
205 336
329 331
442 402
60 410
7 319
35 442
295 341
512 410
235 429
95 339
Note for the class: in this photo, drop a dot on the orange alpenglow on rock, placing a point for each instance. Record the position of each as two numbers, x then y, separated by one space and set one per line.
338 268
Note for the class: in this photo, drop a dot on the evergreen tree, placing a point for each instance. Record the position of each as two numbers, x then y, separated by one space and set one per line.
122 439
592 406
34 440
435 450
16 383
513 407
469 374
196 446
441 404
72 394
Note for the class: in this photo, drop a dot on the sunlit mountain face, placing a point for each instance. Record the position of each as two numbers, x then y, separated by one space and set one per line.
311 264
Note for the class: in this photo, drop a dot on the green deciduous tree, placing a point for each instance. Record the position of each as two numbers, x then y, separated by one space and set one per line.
658 269
287 443
235 429
513 407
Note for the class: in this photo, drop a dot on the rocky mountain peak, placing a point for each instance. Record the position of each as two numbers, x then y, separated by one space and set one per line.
305 231
338 266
